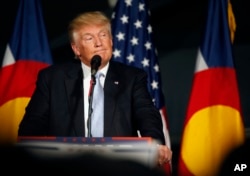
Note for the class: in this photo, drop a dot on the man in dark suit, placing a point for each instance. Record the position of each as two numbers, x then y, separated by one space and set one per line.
59 105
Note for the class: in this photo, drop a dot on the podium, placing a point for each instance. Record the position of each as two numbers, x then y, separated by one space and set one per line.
142 150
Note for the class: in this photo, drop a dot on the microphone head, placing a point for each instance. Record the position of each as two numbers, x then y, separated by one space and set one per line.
96 60
95 64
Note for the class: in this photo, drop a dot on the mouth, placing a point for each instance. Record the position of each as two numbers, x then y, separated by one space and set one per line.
100 51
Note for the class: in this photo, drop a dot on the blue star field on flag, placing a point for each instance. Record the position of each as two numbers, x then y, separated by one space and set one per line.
133 43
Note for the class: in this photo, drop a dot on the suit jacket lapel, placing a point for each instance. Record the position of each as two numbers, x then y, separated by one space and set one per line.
111 89
74 91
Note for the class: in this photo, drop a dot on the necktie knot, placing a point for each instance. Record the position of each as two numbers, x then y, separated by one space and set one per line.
99 75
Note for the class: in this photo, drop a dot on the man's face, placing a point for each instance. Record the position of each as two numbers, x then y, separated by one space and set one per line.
93 40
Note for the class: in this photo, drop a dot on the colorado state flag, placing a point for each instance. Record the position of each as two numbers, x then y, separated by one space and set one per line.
26 53
213 126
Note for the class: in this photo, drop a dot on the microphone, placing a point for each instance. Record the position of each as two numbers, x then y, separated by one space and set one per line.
95 64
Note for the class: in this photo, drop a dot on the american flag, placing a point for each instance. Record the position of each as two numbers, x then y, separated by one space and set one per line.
133 45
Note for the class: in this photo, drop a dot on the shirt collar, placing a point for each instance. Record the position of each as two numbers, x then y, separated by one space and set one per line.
87 70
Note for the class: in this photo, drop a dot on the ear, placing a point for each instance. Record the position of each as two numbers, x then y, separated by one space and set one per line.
111 42
75 49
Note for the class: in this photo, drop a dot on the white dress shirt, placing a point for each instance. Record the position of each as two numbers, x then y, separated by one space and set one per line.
86 84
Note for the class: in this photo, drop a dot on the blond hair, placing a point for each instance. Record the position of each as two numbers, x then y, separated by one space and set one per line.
88 18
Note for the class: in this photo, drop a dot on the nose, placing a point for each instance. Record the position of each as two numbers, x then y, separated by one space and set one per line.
98 42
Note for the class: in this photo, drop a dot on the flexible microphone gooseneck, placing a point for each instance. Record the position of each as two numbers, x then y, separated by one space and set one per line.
95 64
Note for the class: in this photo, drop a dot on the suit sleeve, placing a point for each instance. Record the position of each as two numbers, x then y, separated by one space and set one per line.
35 120
147 115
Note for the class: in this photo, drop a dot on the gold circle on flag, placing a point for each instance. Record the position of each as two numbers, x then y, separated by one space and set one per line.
209 136
11 114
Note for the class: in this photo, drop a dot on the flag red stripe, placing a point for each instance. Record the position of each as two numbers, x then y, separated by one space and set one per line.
18 80
214 86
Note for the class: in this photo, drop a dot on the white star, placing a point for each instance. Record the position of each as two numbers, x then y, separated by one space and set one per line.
138 24
113 15
153 100
124 19
149 28
149 13
141 7
128 2
120 36
148 45
154 85
117 53
156 52
156 68
145 62
134 41
131 58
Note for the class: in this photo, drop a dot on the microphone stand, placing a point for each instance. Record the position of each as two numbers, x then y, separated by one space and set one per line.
91 90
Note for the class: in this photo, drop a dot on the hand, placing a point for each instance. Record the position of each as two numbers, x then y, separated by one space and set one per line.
165 154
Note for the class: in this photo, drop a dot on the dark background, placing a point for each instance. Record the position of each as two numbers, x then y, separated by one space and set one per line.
177 26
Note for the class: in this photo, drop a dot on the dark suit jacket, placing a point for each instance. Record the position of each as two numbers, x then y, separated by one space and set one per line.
56 107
